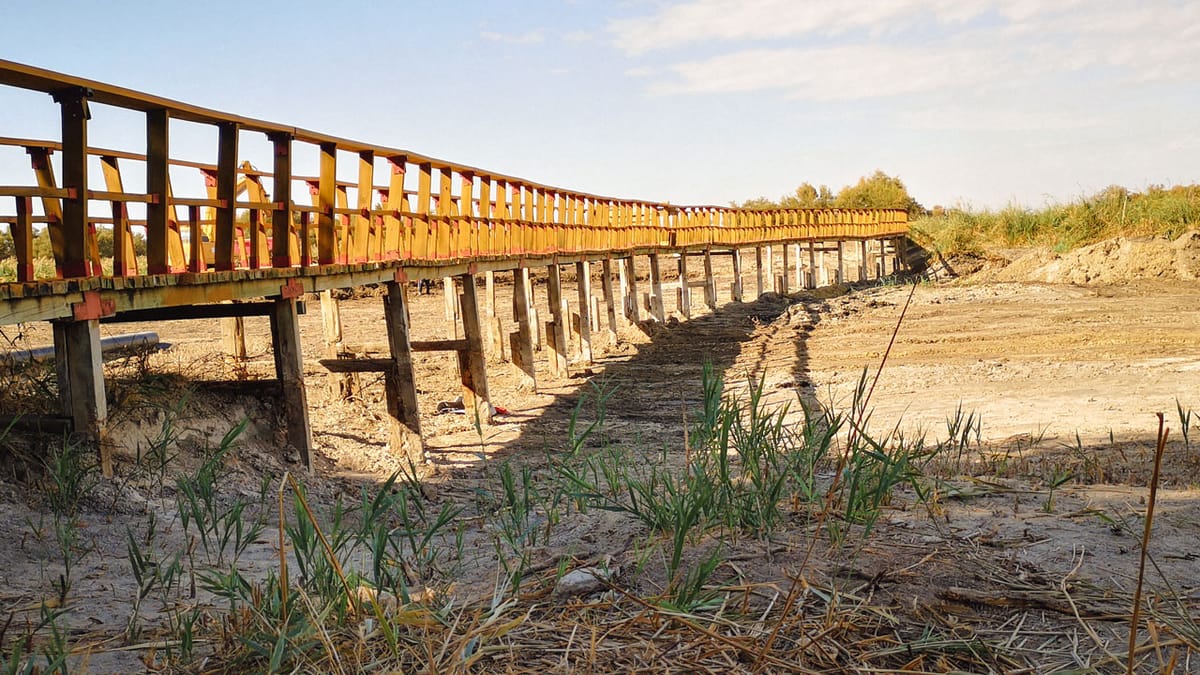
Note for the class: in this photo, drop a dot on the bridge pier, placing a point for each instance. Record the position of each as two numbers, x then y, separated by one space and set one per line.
736 287
781 281
758 268
610 302
862 261
523 339
400 387
802 275
472 364
710 284
583 284
289 371
630 299
80 371
841 261
813 280
656 294
556 334
685 291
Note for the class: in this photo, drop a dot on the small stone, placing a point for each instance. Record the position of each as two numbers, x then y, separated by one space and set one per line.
582 581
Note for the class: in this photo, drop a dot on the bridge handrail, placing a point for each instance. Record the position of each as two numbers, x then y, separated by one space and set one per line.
471 214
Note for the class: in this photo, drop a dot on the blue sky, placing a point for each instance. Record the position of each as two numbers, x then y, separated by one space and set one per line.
970 102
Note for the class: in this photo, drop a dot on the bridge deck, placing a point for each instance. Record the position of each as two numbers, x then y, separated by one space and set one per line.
246 236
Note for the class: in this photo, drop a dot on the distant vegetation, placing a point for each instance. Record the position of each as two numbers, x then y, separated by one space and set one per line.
877 191
1112 212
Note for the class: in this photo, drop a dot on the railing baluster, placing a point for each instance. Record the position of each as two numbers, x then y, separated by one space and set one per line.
226 191
326 187
285 249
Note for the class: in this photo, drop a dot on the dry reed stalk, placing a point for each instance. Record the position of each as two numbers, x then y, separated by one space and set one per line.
1137 593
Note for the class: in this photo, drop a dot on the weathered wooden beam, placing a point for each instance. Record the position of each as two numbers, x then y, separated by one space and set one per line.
736 287
684 296
557 334
583 283
289 368
158 164
75 261
284 247
326 201
841 262
227 152
185 312
523 338
657 309
85 371
472 362
759 272
400 382
710 282
628 272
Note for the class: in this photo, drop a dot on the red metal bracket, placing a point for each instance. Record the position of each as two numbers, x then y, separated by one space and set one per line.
401 277
291 290
92 307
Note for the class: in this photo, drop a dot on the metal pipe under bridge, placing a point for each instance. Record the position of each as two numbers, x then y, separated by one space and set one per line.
407 217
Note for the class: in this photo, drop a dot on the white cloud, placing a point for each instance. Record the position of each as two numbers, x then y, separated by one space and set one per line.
860 49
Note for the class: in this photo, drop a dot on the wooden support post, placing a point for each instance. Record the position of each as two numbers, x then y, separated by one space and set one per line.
782 279
226 190
400 382
657 309
759 273
736 287
85 374
583 282
523 339
61 370
710 282
814 280
75 260
472 364
841 262
451 306
289 368
803 277
862 260
769 266
158 184
341 385
628 271
610 303
685 292
233 334
556 337
282 244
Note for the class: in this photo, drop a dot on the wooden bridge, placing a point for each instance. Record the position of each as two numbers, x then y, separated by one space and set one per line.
407 217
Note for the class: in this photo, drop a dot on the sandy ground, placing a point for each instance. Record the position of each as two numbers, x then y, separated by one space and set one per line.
1065 381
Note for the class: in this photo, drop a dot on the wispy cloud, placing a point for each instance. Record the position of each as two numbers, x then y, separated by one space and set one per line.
860 49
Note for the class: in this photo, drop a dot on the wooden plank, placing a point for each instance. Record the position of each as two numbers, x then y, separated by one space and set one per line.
289 367
557 335
22 234
188 312
628 276
400 383
610 300
472 362
326 197
226 190
285 248
710 282
360 232
657 309
75 261
736 287
85 371
438 345
522 349
685 291
124 257
583 283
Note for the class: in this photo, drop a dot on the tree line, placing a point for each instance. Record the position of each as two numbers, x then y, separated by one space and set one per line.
877 191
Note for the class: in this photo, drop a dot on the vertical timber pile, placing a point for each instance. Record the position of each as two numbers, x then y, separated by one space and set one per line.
633 306
289 369
583 283
400 380
522 338
610 301
556 333
472 363
685 291
656 294
736 286
710 283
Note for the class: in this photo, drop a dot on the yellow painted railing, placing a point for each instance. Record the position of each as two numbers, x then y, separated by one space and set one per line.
427 212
